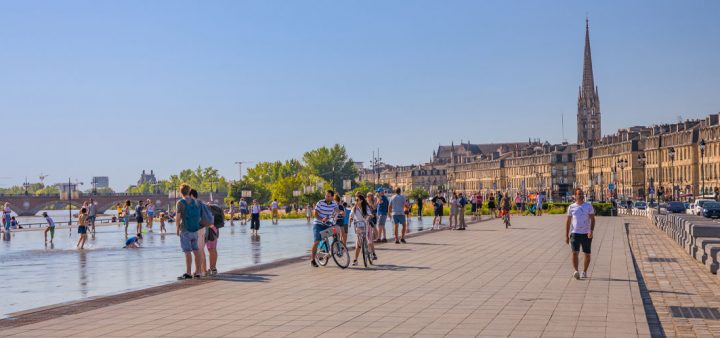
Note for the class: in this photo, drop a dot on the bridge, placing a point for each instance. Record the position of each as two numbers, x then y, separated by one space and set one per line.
30 205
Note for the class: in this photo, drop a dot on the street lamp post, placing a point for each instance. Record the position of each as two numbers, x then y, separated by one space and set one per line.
671 154
641 161
621 163
702 165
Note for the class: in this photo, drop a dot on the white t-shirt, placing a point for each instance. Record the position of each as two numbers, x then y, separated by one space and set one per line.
580 217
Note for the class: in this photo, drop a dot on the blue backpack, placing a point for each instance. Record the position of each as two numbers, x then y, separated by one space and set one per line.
191 216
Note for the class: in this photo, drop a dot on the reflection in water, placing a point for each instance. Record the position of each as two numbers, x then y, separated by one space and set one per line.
6 236
82 270
255 248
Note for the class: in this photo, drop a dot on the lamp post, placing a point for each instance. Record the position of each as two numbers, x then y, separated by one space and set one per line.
26 185
641 159
671 154
702 166
622 163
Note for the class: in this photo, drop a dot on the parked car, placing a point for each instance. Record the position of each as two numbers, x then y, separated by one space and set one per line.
675 207
711 209
697 206
640 205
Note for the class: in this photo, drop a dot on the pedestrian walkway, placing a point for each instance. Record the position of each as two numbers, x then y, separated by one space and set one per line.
685 295
486 281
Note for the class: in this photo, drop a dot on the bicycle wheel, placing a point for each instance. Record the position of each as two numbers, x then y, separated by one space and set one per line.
363 245
340 254
322 256
369 254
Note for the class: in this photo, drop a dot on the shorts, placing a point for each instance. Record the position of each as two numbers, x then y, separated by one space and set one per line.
139 220
189 241
82 229
399 219
52 231
317 228
151 214
92 218
341 223
539 206
491 205
473 207
243 211
518 206
578 240
275 212
382 219
211 245
438 212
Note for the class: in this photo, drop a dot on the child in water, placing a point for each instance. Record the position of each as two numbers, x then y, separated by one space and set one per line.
50 228
133 242
162 223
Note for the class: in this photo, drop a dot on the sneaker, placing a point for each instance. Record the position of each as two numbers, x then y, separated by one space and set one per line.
213 272
185 276
354 263
397 242
576 275
374 256
402 240
583 274
196 276
384 240
313 263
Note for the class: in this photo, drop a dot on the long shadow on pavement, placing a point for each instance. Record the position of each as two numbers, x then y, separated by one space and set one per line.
393 267
248 278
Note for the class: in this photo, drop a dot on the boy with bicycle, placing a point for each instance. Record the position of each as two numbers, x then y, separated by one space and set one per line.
325 210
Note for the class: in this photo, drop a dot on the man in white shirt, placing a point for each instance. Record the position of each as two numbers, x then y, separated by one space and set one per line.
579 228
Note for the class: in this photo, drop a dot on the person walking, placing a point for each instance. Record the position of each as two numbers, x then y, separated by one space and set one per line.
275 211
540 200
187 219
232 211
82 229
579 227
419 207
373 216
139 216
243 211
126 215
340 220
308 212
150 209
491 206
396 209
92 214
453 210
382 214
438 204
6 211
50 228
462 202
254 218
518 203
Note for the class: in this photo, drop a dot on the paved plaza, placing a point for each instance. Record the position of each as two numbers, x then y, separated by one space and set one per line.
486 281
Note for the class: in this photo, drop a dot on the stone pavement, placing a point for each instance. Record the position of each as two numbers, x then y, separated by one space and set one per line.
684 294
486 281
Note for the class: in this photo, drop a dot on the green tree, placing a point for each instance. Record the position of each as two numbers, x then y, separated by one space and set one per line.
332 164
418 194
259 192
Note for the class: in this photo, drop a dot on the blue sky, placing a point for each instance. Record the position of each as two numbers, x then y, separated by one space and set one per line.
115 87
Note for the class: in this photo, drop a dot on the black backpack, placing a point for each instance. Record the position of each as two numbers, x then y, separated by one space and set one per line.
218 215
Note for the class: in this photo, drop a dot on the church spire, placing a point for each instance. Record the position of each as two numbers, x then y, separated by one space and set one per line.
588 83
588 115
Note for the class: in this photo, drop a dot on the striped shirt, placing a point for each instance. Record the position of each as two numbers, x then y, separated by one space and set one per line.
325 209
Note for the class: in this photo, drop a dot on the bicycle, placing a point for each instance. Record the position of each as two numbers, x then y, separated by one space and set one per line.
361 230
336 249
506 218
